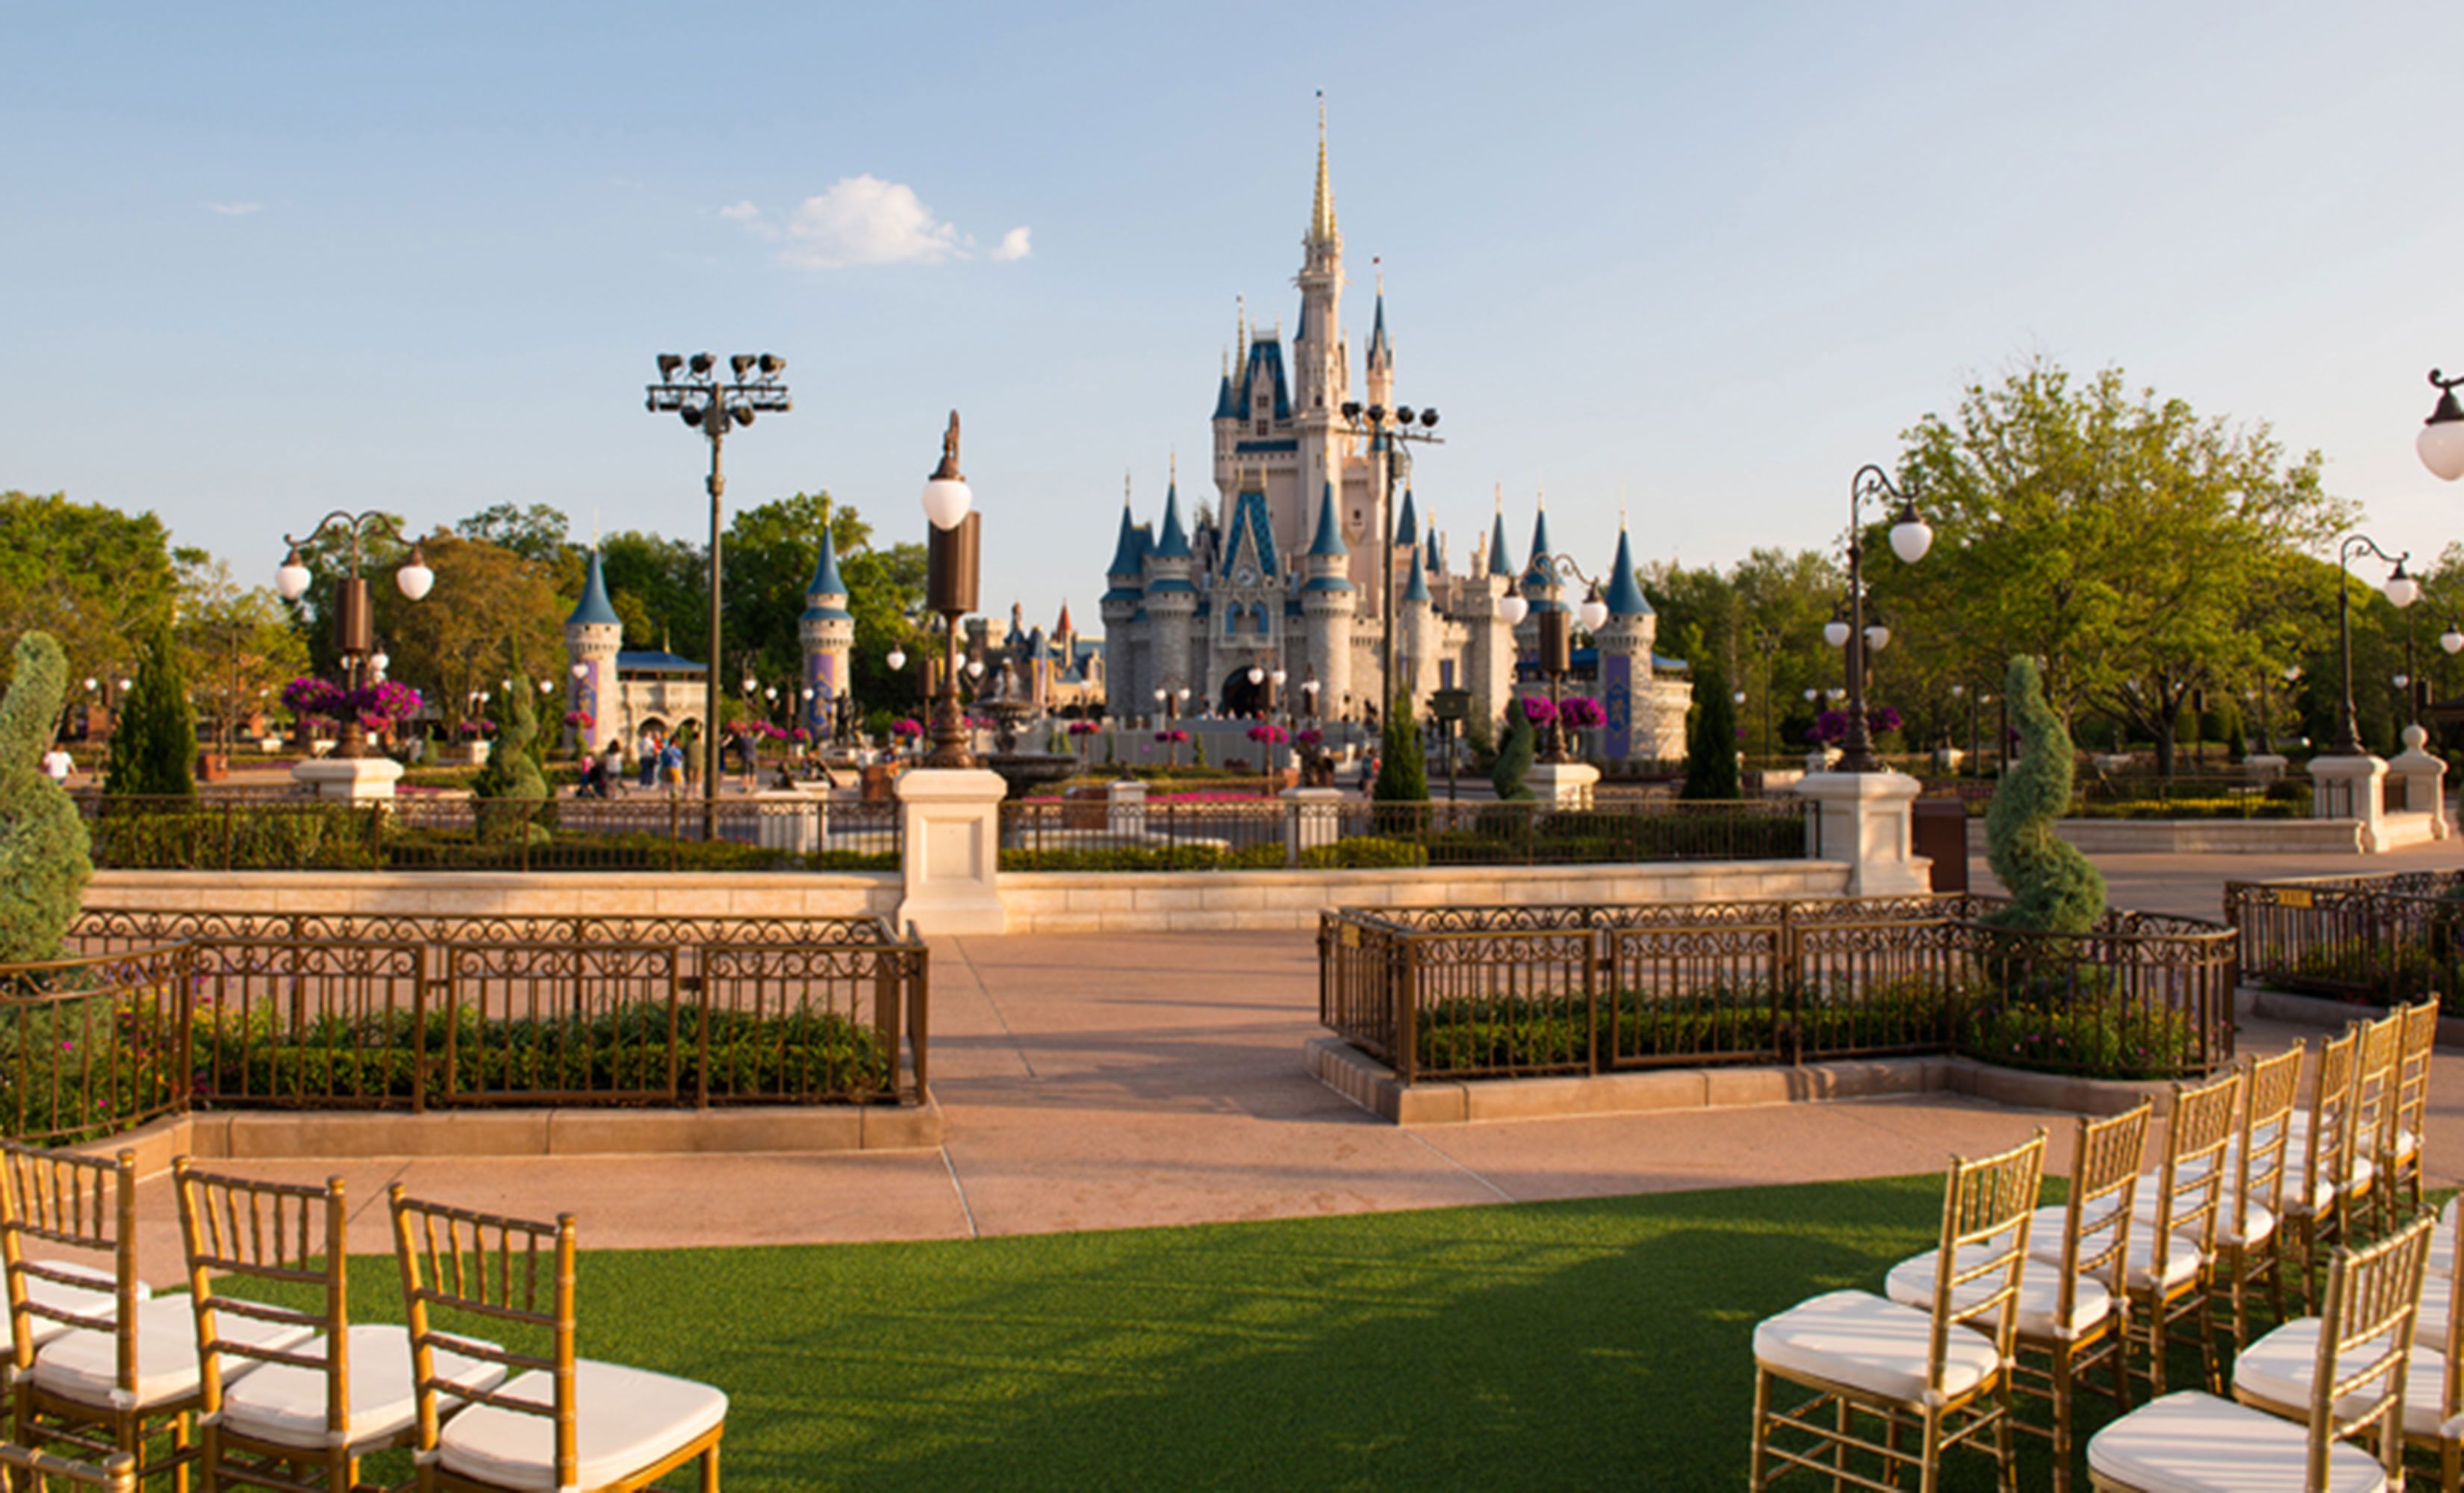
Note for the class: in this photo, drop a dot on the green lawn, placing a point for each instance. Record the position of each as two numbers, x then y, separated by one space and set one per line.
1603 1343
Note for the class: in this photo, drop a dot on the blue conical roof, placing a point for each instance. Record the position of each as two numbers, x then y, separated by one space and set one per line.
1407 523
1227 408
1329 533
1377 333
1128 548
1540 546
1175 543
826 568
1417 589
1625 595
593 609
1498 563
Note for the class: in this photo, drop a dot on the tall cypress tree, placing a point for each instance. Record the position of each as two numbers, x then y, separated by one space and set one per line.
1402 776
154 744
43 851
1711 746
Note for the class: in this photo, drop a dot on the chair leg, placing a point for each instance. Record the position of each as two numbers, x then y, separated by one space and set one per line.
2061 1417
180 1440
1755 1476
1929 1447
1839 1445
710 1469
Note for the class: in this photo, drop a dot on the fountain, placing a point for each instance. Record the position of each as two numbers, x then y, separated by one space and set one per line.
1010 708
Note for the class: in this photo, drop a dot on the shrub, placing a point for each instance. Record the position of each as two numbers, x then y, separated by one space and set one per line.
43 848
516 800
1711 746
307 837
154 742
1514 757
1402 777
2054 888
1364 851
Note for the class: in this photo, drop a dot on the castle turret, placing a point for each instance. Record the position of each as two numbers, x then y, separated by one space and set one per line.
1327 603
1415 618
592 638
1381 355
1539 582
1125 682
1172 596
1625 680
1489 641
827 632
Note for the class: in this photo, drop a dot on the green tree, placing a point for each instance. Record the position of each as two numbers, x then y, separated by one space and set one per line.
1711 742
491 614
2053 887
237 643
1402 773
1760 623
154 743
43 850
2135 547
536 533
95 579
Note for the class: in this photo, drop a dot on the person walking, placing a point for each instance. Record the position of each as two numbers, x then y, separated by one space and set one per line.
672 767
611 769
647 750
57 765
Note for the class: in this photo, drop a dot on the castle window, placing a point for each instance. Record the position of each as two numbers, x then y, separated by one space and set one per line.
1262 428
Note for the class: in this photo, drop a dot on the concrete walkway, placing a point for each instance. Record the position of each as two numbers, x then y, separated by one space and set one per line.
1118 1080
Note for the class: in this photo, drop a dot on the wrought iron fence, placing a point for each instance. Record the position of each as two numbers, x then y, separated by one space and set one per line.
219 832
324 1010
1504 992
95 1044
2381 939
1260 834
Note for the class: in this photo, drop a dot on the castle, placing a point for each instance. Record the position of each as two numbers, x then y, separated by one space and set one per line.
1290 577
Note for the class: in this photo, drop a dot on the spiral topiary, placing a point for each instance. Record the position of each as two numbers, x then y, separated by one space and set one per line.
2053 887
514 779
1514 755
43 848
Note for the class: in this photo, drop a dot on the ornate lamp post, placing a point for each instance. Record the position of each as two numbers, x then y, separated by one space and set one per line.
2441 441
1396 428
950 590
1910 537
707 404
2401 589
354 621
1557 639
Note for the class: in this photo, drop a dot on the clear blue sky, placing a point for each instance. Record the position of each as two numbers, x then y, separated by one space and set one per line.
1697 261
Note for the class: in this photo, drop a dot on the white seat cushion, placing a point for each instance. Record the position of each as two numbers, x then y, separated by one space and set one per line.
97 1302
1911 1284
1862 1341
2279 1367
285 1404
2181 1262
2261 1223
626 1420
84 1365
2191 1443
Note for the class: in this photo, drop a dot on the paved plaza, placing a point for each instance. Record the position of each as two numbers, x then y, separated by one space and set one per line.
1110 1081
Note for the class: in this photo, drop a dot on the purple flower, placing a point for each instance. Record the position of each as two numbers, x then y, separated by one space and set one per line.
1580 713
1537 710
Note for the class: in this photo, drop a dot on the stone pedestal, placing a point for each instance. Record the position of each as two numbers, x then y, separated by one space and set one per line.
349 779
2264 767
1863 819
2348 787
1125 809
1564 786
792 820
951 819
1313 817
1820 759
2425 781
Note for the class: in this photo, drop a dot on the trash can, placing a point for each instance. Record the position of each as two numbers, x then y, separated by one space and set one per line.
1938 828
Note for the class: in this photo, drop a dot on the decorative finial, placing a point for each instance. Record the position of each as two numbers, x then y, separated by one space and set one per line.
1125 491
1173 463
948 470
1322 209
1377 263
1501 497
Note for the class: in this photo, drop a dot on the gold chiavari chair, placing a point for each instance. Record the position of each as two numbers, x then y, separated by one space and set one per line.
2197 1442
567 1423
25 1470
1939 1372
103 1382
298 1416
2169 1268
2376 1081
2073 1312
2399 1156
2324 1159
2250 1241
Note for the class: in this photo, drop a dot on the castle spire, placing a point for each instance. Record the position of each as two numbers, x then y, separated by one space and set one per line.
1329 533
1322 209
1624 595
593 609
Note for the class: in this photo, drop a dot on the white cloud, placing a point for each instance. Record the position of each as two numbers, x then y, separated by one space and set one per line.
234 210
865 220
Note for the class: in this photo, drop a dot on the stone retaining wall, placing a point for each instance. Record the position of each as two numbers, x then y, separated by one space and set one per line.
1047 902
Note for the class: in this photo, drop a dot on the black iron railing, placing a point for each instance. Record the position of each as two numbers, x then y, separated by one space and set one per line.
2381 940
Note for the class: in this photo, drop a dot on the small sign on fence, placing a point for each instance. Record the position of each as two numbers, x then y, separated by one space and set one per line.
2293 897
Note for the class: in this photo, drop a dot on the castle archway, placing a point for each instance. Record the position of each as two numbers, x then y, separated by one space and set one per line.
1241 697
